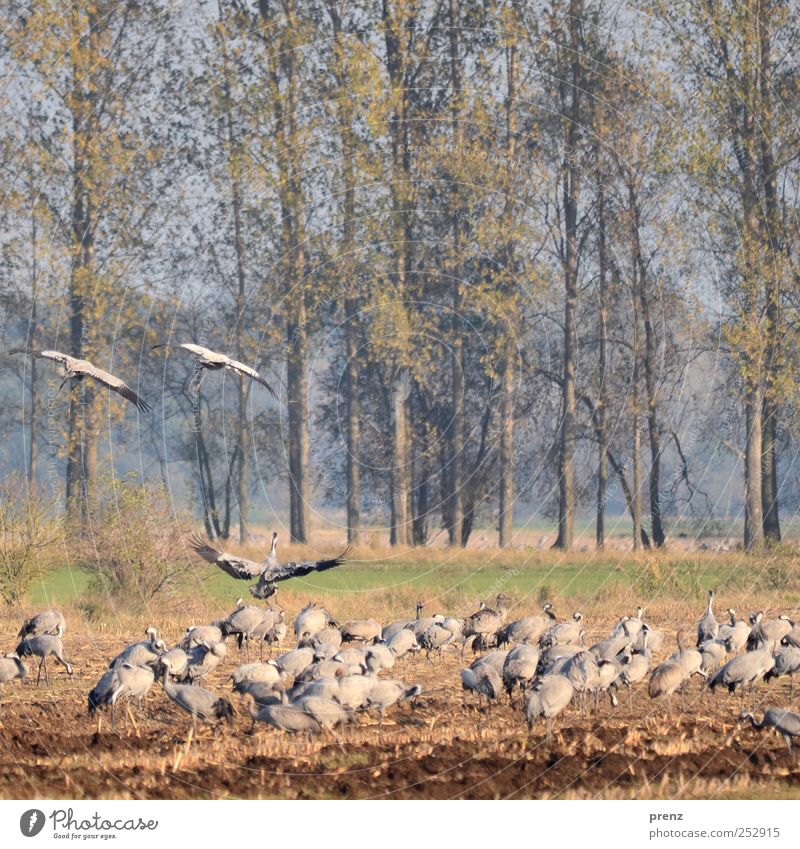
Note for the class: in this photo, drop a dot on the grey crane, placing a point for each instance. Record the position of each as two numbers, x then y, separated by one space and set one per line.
326 712
609 648
793 637
204 659
351 656
385 693
379 657
178 660
519 667
528 629
584 674
324 644
636 666
196 634
208 360
421 623
72 368
665 679
263 673
630 625
269 571
271 631
707 627
403 642
121 682
767 634
784 722
143 653
44 646
295 662
556 655
284 717
352 690
748 668
360 631
690 660
394 628
244 622
47 622
734 632
496 659
311 620
548 697
486 622
200 703
484 680
11 667
434 639
712 654
787 662
564 633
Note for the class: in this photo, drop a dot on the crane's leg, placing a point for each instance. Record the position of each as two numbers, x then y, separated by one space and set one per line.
548 724
113 716
39 673
135 726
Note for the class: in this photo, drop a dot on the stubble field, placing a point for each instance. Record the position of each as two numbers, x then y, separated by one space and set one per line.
433 747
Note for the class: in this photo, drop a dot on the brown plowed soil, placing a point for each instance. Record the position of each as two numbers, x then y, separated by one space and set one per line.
434 747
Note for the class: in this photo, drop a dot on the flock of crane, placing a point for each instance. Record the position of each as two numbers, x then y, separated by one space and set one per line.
335 671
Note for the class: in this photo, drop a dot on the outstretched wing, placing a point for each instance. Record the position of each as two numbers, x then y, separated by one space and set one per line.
236 567
198 350
282 571
115 385
56 356
241 368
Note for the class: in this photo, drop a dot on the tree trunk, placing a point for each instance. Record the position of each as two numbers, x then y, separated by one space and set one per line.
399 534
297 403
506 519
602 432
456 434
81 448
242 427
571 192
402 237
351 304
507 379
353 423
772 240
31 346
650 365
753 516
288 155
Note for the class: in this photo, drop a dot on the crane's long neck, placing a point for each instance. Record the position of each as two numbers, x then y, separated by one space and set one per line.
753 721
710 599
169 687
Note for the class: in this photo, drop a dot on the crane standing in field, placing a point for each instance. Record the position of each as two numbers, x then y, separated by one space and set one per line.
786 723
72 368
208 360
269 571
707 627
47 622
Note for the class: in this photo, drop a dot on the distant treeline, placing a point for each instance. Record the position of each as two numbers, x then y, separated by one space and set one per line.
489 250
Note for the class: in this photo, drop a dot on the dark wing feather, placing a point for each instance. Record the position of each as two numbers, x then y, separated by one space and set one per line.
115 385
241 368
282 571
236 567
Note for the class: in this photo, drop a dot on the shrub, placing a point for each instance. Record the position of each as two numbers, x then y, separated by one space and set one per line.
134 547
27 525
